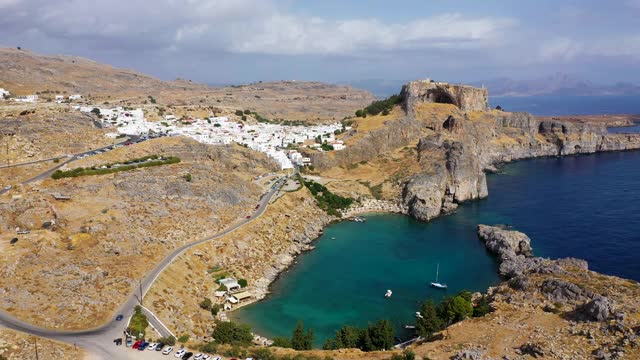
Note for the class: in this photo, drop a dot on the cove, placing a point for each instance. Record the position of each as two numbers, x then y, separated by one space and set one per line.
584 206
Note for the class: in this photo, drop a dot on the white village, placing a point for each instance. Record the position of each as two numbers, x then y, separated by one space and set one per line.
279 142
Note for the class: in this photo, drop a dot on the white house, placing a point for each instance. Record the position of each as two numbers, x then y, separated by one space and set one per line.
4 93
230 283
75 97
59 99
28 98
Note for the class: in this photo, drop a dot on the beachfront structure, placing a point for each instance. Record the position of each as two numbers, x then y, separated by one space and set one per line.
239 297
75 97
270 139
230 283
26 99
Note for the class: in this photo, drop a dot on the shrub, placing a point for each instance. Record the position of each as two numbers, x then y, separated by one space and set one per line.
210 347
169 340
55 161
95 111
244 118
247 112
206 304
406 355
215 309
239 113
183 339
187 177
263 354
281 341
232 333
243 283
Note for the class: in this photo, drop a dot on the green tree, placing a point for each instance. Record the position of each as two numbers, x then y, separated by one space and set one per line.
382 335
95 111
429 322
239 113
454 309
215 309
300 340
247 112
210 347
232 333
482 307
243 283
359 113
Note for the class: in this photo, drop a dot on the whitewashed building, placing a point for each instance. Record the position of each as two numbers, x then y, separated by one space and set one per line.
26 99
75 97
4 93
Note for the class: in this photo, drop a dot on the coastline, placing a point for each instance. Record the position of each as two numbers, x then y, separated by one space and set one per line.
370 206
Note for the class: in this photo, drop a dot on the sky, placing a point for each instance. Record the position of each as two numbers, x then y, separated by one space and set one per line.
239 41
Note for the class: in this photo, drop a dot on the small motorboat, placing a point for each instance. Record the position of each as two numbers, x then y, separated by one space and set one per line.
418 315
409 327
436 284
388 294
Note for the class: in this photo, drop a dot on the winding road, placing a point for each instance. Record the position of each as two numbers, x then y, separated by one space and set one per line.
99 341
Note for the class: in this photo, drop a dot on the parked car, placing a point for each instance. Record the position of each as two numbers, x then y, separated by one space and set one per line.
187 356
137 344
206 357
129 341
152 347
119 318
167 351
143 346
248 216
180 352
8 187
217 358
118 341
160 346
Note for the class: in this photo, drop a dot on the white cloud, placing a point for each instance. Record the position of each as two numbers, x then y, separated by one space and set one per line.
242 26
565 50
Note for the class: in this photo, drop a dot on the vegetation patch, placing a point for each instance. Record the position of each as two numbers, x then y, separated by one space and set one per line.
378 336
138 323
380 106
326 200
143 162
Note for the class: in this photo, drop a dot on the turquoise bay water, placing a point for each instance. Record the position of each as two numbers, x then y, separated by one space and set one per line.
343 281
585 206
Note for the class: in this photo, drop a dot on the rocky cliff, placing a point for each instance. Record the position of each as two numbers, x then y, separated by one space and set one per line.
467 98
458 139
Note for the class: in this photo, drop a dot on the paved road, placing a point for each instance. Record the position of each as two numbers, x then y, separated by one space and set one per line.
98 341
70 159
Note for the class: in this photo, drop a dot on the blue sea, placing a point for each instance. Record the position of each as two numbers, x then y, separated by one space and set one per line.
549 105
586 207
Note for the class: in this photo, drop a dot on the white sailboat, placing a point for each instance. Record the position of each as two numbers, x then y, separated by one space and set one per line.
388 294
436 284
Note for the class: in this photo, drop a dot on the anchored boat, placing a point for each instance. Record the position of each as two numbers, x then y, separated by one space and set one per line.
388 294
436 284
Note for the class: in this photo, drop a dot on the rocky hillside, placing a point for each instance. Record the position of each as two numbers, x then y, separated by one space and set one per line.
83 256
450 149
23 72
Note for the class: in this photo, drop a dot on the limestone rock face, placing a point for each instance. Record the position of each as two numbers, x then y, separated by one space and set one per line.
466 98
597 309
504 242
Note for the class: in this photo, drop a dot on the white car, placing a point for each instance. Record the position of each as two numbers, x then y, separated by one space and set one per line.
206 357
180 353
152 346
217 358
167 351
198 357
